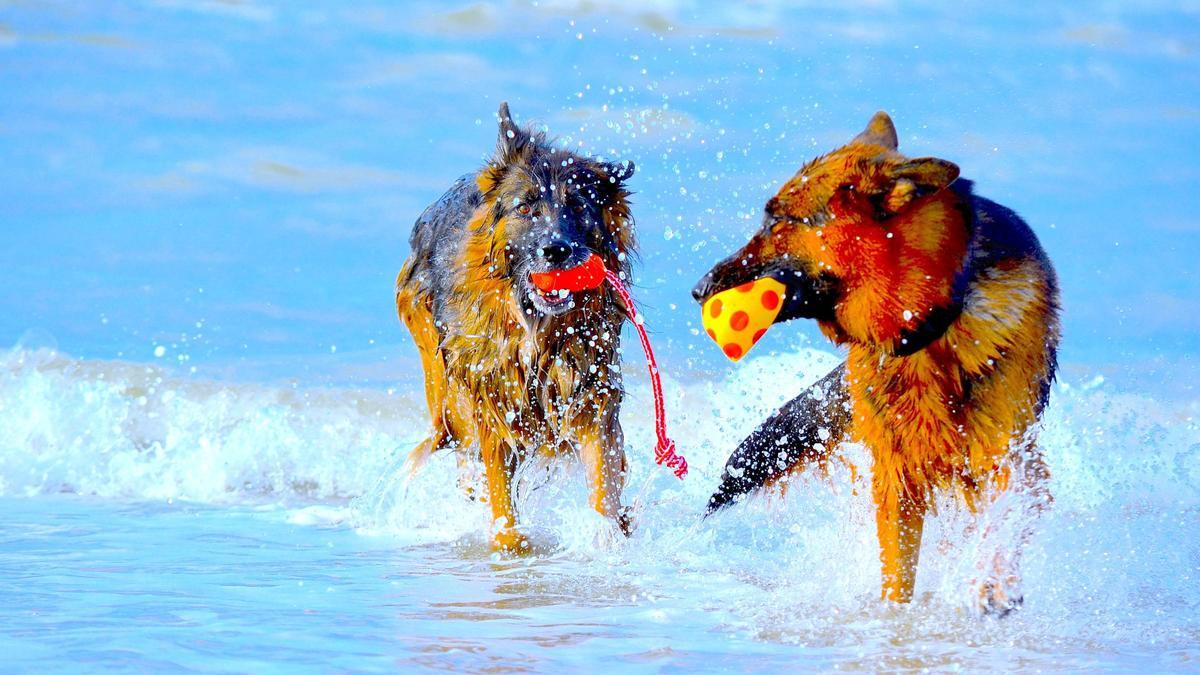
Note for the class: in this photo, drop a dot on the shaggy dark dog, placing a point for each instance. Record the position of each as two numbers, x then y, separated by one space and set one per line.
512 371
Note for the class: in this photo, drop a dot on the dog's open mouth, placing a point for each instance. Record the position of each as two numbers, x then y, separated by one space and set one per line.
555 298
552 291
546 303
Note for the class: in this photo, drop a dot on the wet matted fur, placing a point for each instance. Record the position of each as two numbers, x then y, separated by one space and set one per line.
510 371
949 309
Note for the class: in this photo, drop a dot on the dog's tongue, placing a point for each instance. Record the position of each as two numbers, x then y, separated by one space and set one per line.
587 275
737 318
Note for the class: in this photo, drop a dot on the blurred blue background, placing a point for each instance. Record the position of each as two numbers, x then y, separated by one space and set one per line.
228 186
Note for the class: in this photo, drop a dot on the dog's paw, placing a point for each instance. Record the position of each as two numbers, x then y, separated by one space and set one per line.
511 542
625 521
999 599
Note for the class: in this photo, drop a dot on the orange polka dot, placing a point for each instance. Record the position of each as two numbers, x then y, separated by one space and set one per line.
746 287
712 334
739 320
733 351
714 308
770 299
758 336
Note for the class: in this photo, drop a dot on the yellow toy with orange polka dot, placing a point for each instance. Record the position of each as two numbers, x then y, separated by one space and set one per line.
737 318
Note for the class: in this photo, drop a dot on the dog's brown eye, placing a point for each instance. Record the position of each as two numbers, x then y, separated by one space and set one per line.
524 209
578 208
847 188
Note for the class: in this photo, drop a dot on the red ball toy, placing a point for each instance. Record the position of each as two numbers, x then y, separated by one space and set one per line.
585 276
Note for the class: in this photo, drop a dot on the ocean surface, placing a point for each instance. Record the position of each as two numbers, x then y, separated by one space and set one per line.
154 524
206 399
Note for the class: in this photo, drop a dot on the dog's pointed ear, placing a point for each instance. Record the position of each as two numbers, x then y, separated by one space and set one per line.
511 138
510 141
913 178
928 173
879 131
618 173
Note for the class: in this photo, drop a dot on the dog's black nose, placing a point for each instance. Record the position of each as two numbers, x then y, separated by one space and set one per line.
702 288
556 253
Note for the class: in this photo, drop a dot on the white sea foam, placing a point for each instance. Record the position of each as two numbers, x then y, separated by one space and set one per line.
117 429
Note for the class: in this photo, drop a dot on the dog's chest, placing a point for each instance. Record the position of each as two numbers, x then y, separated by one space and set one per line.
539 392
910 410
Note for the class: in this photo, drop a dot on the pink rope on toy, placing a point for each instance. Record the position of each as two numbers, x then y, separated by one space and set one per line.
664 453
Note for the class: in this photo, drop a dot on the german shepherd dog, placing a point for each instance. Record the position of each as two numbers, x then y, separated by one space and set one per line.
512 371
949 309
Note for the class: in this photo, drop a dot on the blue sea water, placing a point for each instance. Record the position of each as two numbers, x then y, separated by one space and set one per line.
203 204
155 523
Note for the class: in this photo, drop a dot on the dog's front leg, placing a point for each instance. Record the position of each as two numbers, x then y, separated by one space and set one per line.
499 463
899 521
603 453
